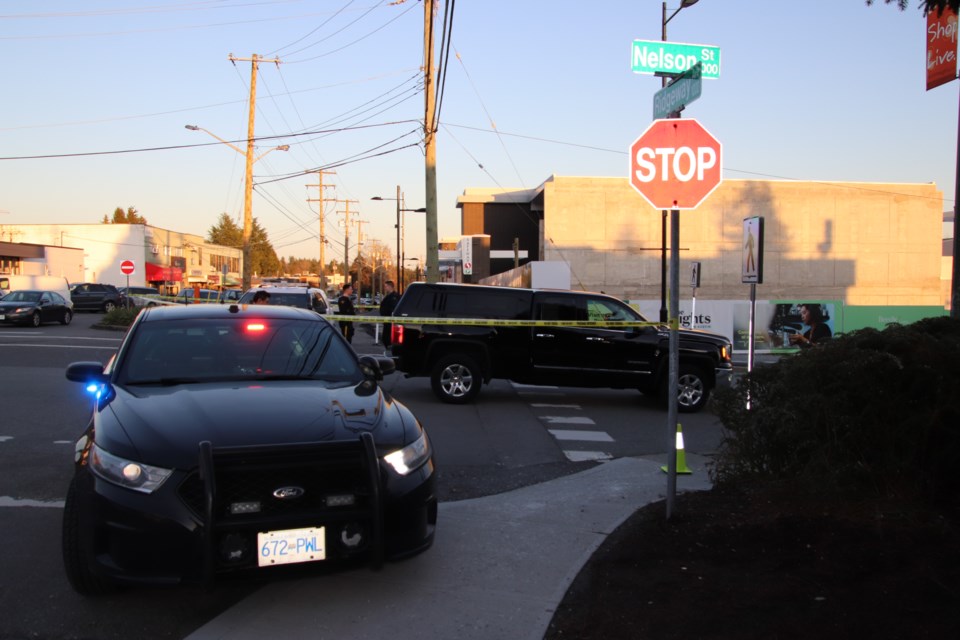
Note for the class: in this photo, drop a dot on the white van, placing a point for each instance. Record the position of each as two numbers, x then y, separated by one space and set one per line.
10 283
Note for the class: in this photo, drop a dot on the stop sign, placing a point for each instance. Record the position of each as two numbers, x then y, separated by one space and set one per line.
126 267
675 164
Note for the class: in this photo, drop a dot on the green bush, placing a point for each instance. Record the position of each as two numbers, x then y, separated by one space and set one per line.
121 316
875 411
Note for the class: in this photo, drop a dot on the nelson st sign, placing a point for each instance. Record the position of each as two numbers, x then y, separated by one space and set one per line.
654 57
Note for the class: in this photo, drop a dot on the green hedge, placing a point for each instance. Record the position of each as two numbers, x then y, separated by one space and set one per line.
874 411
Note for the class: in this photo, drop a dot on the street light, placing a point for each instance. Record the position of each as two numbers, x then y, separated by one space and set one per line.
401 251
663 213
417 260
247 192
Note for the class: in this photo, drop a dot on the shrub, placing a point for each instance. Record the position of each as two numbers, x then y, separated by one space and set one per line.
872 410
121 316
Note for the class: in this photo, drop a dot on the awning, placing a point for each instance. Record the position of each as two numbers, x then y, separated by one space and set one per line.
160 273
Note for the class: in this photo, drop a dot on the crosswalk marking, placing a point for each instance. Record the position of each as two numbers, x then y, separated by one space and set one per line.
586 456
582 436
566 420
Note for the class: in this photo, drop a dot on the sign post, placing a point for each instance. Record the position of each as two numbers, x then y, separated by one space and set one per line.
127 268
675 164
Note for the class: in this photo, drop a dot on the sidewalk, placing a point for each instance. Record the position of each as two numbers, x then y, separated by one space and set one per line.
499 567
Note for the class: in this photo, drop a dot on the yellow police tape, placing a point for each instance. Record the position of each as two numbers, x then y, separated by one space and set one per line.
674 323
480 322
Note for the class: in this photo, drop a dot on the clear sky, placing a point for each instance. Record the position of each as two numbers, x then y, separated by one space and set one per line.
827 90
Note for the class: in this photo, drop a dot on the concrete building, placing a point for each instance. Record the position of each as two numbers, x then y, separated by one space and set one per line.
166 259
860 243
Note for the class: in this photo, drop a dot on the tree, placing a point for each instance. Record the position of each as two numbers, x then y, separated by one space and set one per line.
263 258
130 216
225 232
926 5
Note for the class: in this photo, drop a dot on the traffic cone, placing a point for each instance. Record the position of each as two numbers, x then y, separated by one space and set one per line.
681 456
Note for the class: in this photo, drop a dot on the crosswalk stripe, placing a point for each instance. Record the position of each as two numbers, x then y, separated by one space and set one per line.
566 420
582 436
584 456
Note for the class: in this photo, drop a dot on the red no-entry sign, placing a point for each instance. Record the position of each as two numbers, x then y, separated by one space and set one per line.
127 267
675 164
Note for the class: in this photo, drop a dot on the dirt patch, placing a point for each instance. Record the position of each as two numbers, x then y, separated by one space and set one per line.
763 565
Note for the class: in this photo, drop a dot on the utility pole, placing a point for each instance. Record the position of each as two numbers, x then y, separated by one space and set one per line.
254 61
323 238
346 238
360 224
430 145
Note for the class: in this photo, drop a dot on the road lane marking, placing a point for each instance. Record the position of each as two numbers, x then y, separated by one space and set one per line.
59 346
5 438
582 436
567 420
545 405
33 334
586 456
7 501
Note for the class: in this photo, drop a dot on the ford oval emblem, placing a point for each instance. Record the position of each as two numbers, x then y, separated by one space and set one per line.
288 493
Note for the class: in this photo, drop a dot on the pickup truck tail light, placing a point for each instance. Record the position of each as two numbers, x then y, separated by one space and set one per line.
396 334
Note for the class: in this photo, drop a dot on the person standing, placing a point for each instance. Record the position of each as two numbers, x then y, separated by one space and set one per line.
387 305
346 308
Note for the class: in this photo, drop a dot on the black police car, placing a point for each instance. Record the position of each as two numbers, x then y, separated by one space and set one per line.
227 439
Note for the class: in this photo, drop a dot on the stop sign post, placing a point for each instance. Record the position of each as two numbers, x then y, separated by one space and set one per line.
127 267
675 164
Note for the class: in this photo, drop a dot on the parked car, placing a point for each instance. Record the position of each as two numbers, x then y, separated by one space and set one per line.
139 291
304 297
460 358
92 296
34 307
229 439
206 296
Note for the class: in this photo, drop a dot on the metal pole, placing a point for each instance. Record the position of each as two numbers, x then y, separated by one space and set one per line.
663 214
674 359
398 235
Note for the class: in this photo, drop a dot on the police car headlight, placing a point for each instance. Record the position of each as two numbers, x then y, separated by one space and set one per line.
411 457
126 473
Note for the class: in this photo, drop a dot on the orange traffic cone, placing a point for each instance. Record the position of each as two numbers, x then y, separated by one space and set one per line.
681 456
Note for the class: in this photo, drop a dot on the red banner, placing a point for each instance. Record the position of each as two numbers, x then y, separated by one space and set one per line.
941 47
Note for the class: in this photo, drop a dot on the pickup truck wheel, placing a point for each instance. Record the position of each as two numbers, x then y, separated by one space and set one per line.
456 379
692 390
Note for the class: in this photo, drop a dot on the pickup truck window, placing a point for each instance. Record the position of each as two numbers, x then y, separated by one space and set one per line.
604 310
561 308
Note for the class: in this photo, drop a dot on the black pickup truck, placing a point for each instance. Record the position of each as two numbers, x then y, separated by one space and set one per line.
458 358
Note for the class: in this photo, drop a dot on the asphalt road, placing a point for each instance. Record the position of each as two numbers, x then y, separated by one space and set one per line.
513 436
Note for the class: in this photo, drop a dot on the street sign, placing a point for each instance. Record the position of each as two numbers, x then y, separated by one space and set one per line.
682 91
653 57
127 267
675 164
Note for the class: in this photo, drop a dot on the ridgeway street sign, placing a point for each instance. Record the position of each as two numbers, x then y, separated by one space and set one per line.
675 164
679 93
653 57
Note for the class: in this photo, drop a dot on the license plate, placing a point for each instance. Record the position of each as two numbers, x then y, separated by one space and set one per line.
2 317
291 546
